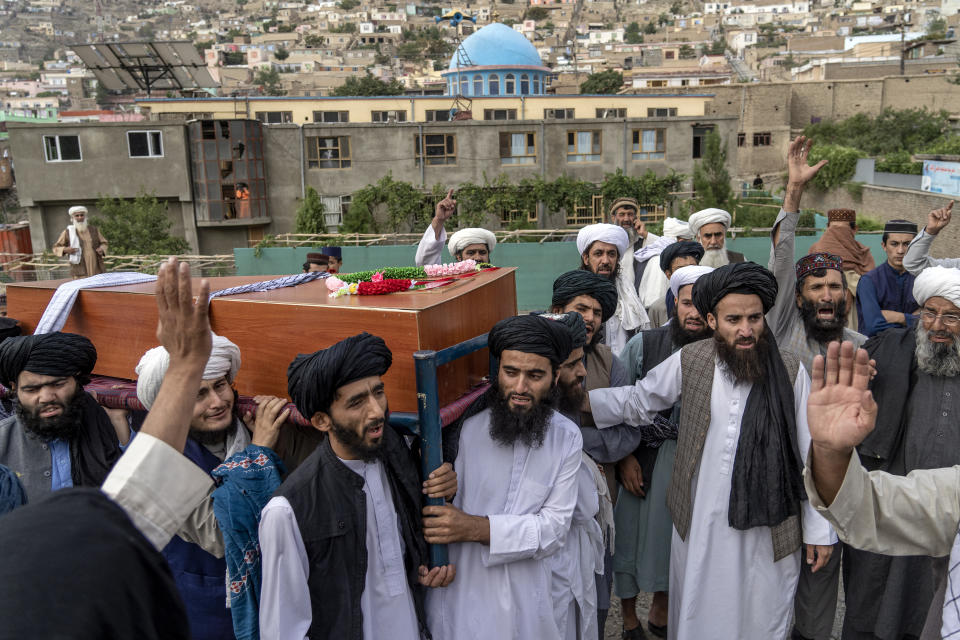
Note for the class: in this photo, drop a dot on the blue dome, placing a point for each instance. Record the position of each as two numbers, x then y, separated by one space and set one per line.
496 45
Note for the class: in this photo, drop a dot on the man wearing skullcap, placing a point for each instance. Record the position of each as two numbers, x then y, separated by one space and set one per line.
736 495
59 436
601 248
593 298
917 381
342 540
624 212
335 258
709 227
884 295
517 461
839 239
316 262
812 309
677 254
83 244
472 243
217 433
642 557
918 253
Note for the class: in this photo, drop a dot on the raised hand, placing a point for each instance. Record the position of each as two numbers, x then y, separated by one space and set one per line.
840 409
445 208
799 172
266 422
938 219
183 325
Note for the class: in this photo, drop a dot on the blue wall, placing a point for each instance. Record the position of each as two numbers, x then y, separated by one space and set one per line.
538 263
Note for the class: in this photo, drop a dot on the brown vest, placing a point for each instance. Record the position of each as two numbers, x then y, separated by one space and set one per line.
598 364
697 363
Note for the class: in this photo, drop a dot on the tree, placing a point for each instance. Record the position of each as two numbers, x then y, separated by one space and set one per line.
686 52
310 214
137 227
285 28
536 13
269 81
676 8
281 54
711 180
313 40
717 48
663 18
146 32
937 29
347 5
632 35
650 28
368 85
548 26
604 82
346 27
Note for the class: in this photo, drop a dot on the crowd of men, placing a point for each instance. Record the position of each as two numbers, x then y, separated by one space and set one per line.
728 437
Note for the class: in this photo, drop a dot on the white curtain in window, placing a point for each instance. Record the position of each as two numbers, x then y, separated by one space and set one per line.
649 142
584 142
518 144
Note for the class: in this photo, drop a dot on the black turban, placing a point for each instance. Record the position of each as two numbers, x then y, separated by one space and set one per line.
574 323
680 249
531 334
313 378
47 354
740 277
585 283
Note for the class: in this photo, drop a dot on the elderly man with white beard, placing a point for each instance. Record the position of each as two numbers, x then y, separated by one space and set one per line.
916 387
709 227
602 249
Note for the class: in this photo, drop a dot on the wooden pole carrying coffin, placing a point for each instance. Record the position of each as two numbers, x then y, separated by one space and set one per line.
272 327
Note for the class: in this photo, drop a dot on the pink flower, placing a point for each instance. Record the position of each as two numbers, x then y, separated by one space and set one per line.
334 283
377 277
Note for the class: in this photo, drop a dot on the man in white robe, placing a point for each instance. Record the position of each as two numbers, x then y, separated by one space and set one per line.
471 243
731 577
517 462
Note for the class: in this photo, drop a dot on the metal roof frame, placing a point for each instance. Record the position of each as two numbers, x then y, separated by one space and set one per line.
146 66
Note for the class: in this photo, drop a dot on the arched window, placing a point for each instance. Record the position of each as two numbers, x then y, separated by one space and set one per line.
524 85
509 85
493 85
463 85
477 85
536 84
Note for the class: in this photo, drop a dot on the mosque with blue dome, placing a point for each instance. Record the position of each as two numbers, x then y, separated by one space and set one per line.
496 61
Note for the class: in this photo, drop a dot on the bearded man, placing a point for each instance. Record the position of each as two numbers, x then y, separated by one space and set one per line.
709 227
642 557
59 437
918 376
675 255
517 461
342 541
602 247
83 244
736 494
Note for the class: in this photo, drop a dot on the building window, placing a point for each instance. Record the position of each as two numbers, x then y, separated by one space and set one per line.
670 112
518 148
761 139
583 146
499 114
558 114
699 140
611 113
477 85
584 214
493 85
145 144
62 148
334 208
439 148
438 115
649 144
524 84
509 85
669 55
275 117
656 83
328 153
228 169
741 139
399 115
331 116
536 85
464 84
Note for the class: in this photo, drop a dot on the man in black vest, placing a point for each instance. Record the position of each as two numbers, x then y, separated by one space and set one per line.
342 538
642 556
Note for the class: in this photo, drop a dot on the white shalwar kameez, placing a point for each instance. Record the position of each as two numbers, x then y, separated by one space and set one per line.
723 582
386 601
504 590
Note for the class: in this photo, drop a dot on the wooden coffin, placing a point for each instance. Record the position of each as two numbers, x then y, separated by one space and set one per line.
272 327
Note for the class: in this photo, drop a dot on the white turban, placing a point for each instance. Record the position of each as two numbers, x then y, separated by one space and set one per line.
709 216
674 228
686 275
76 209
942 282
609 233
224 361
466 237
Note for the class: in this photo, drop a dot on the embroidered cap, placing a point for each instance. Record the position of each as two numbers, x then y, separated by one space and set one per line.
817 261
842 215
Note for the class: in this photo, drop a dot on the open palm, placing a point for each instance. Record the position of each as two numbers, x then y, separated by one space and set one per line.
798 169
840 409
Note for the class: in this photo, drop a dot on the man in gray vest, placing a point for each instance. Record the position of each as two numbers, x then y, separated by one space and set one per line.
736 494
59 436
641 561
